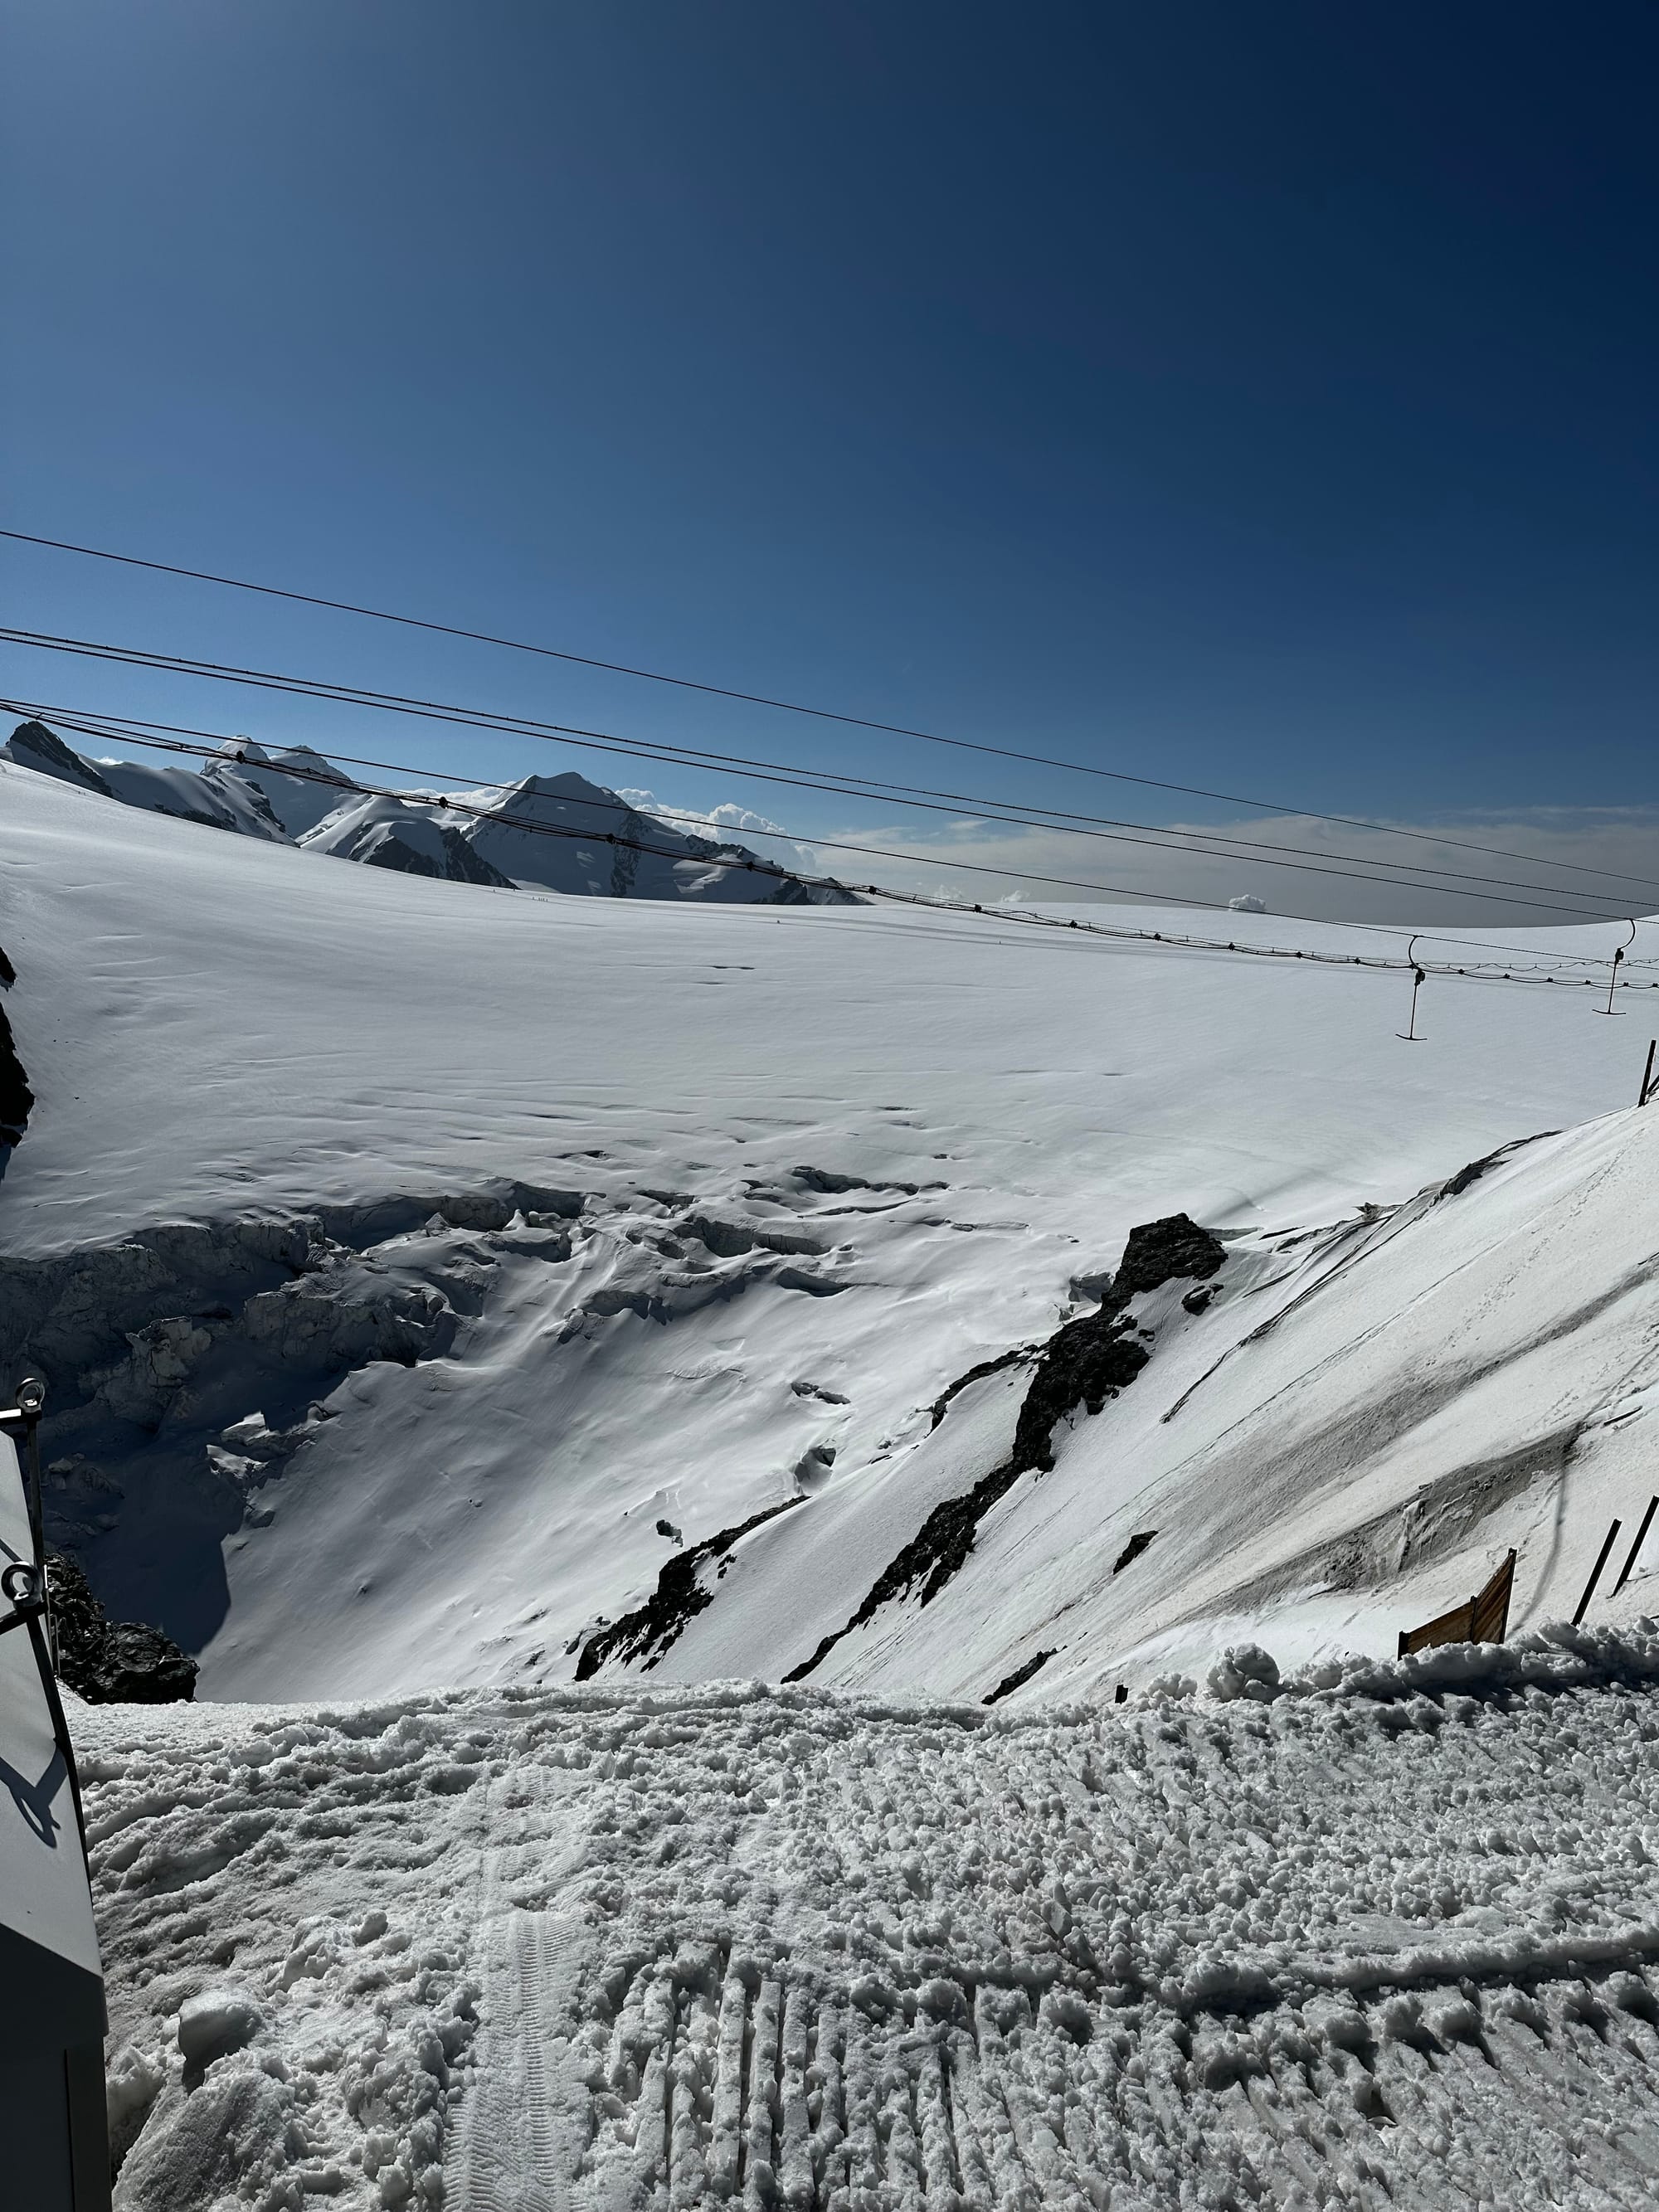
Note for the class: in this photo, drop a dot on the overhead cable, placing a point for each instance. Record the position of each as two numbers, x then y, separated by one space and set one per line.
605 741
752 864
793 707
134 730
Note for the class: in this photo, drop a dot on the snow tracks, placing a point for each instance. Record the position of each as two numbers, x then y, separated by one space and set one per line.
1395 1944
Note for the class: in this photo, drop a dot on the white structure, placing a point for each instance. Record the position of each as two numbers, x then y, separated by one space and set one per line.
54 2147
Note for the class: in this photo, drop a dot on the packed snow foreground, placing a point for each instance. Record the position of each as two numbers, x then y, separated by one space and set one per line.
1385 1935
939 1324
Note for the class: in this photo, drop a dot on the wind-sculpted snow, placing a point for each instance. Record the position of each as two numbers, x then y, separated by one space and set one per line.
1388 1938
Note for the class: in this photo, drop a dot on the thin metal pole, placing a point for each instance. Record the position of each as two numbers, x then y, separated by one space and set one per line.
1408 1034
32 1392
1647 1072
1595 1576
1647 1522
43 1661
1618 961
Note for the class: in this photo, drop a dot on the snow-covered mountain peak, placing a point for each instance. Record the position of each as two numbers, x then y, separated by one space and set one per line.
31 744
551 832
383 832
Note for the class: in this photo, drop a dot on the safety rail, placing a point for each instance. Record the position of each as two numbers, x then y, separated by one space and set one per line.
24 1585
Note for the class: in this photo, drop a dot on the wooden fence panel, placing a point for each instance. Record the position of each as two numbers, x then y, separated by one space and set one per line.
1492 1609
1483 1619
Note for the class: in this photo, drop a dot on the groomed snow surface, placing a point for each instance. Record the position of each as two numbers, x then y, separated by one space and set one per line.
1385 1937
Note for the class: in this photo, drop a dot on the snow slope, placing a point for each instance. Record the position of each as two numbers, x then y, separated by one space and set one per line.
384 832
420 1269
1389 1942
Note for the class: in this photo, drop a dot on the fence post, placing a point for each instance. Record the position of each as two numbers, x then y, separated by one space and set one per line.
1595 1576
1647 1073
1647 1519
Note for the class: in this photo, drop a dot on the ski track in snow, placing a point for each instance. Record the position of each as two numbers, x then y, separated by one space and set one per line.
1390 1940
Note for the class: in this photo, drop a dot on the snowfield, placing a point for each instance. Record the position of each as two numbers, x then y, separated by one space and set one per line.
1382 1937
687 1416
431 1278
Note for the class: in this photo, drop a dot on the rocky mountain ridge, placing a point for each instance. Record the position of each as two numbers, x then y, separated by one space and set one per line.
554 833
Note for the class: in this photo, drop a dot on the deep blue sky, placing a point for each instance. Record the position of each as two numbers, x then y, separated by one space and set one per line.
1260 395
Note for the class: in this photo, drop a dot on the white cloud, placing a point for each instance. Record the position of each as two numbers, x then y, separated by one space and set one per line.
728 819
1326 876
1429 878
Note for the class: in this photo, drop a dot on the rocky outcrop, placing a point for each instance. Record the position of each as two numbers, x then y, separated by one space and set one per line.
649 1631
17 1099
111 1662
31 744
1083 1363
1158 1251
1019 1678
378 830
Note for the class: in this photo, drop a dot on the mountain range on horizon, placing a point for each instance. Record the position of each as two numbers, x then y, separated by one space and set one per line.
561 833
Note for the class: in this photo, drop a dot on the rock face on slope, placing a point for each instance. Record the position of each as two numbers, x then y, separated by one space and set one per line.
1083 1363
217 797
1091 1358
112 1662
1158 1251
388 833
572 835
298 786
16 1098
31 744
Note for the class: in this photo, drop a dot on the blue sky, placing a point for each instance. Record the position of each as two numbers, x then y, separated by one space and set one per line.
1251 397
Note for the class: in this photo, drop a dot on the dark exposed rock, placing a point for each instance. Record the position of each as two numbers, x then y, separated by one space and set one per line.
1158 1251
830 1181
17 1099
108 1662
7 973
1133 1550
650 1630
973 1374
31 744
460 865
1084 1363
803 1388
1196 1301
391 852
466 866
1020 1677
1454 1186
